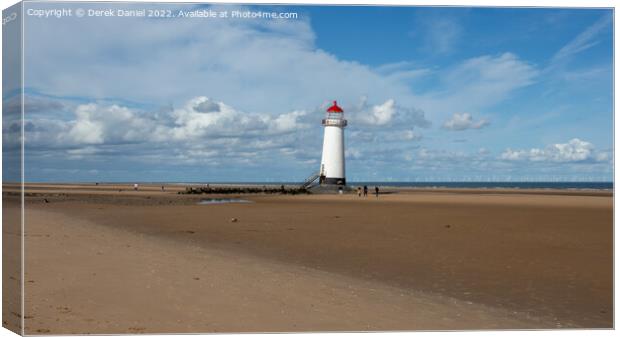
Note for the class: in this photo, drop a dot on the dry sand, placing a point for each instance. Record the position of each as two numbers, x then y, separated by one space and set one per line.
103 261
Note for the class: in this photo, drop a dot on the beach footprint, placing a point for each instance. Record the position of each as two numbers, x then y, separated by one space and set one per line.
63 310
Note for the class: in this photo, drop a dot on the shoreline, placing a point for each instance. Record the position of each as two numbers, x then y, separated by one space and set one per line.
154 187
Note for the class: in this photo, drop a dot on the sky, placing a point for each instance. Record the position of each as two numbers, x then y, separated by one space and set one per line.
431 94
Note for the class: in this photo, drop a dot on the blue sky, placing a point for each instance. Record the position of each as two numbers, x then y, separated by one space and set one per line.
462 94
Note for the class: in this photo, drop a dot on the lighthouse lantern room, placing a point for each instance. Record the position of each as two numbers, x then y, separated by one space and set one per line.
332 161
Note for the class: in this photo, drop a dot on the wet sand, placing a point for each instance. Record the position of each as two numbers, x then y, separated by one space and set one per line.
103 261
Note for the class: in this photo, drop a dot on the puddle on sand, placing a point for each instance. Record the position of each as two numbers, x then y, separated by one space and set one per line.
215 201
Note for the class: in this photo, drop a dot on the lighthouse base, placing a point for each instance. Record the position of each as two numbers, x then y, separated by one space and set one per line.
332 181
330 189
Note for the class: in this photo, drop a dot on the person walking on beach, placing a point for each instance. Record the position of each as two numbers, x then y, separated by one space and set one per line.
365 190
377 191
359 191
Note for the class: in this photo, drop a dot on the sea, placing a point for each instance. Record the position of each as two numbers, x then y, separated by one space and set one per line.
607 185
523 185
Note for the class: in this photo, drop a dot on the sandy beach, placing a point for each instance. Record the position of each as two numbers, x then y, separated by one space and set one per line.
107 259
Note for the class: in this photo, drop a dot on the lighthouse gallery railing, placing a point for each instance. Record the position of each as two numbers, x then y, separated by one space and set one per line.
334 122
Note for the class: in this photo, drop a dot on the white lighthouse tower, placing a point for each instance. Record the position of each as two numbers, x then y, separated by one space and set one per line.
332 161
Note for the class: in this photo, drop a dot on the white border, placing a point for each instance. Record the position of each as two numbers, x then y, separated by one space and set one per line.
468 3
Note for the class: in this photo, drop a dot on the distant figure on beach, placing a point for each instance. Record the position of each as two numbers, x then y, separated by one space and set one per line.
135 187
162 188
377 191
365 190
359 191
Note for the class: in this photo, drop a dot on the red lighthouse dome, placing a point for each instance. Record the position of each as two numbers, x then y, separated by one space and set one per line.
335 108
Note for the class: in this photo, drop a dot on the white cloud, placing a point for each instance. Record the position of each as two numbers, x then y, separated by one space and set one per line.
464 121
387 113
207 131
289 121
568 79
82 152
200 122
403 71
575 150
476 84
506 70
511 154
145 61
203 117
110 124
584 40
199 118
260 65
410 135
379 114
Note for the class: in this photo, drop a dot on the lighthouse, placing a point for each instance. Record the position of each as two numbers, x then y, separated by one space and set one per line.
332 161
